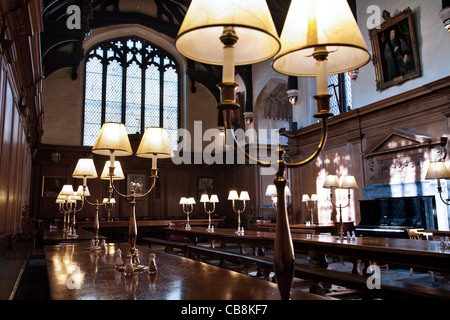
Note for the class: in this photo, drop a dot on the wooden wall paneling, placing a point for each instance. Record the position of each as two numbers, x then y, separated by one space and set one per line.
12 179
6 159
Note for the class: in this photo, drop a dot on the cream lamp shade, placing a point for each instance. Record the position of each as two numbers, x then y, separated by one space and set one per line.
85 169
67 190
244 196
233 195
214 198
190 200
106 200
305 198
155 143
287 192
331 181
183 200
199 34
80 192
74 197
113 138
271 190
312 24
59 200
349 182
314 197
118 172
437 170
204 198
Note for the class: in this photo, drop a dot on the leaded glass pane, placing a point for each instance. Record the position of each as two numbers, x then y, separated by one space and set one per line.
171 105
93 101
133 98
152 97
113 111
348 91
137 55
333 89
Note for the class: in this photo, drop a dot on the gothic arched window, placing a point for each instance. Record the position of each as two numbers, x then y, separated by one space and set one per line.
132 81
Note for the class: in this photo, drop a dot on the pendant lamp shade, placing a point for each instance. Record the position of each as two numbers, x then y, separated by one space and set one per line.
85 168
118 172
233 195
214 198
271 190
113 138
349 182
322 24
155 143
67 190
204 198
199 35
331 181
437 170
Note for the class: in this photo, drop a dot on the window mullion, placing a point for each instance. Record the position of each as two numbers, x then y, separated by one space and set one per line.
124 87
143 68
161 95
104 75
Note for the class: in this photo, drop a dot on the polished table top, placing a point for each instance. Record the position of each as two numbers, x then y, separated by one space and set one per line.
147 223
417 253
75 273
59 235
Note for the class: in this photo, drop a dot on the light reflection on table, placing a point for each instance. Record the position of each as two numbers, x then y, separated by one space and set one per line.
76 273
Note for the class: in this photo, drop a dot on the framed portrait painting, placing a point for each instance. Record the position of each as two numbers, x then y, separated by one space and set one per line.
137 182
395 50
51 185
205 185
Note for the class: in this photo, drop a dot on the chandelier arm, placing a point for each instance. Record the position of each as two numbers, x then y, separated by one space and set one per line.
151 187
442 198
318 149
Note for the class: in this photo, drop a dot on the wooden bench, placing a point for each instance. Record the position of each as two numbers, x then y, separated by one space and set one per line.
168 245
389 289
12 267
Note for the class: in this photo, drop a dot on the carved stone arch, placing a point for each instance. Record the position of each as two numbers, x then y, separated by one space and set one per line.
272 109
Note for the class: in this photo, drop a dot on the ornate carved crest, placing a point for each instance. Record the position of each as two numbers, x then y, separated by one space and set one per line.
399 156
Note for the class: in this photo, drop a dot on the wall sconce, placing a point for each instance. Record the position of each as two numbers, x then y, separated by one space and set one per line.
306 47
353 74
292 91
311 205
233 195
444 14
438 170
248 118
332 182
113 142
214 199
55 157
188 207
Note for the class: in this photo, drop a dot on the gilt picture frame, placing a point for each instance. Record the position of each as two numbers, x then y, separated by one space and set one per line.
395 52
52 185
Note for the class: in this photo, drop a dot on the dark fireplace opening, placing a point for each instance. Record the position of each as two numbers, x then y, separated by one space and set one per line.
390 217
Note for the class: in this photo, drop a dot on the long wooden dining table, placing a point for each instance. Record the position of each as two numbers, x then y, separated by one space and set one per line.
418 254
76 273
